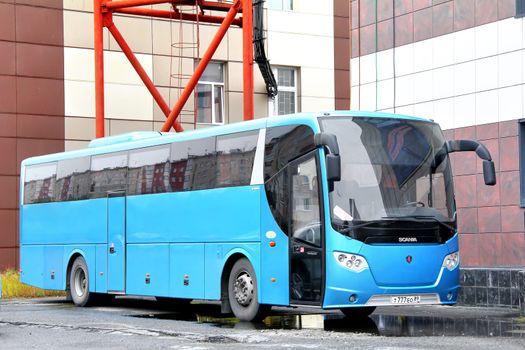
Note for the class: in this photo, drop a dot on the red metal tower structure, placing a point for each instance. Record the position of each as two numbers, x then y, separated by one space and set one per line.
103 16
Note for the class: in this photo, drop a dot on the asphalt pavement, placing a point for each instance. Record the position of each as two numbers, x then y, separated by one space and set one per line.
127 323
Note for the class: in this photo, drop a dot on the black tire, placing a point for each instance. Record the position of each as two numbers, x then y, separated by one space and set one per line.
79 283
358 312
243 292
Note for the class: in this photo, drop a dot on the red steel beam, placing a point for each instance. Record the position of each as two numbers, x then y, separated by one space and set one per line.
205 5
142 73
206 58
175 15
247 60
99 67
130 3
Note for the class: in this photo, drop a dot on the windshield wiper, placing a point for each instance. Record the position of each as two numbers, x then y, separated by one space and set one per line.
422 218
347 227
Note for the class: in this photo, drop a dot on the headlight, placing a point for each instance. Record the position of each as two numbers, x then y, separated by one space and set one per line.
451 261
353 262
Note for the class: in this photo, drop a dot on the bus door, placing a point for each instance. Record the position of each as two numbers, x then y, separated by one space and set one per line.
306 239
116 241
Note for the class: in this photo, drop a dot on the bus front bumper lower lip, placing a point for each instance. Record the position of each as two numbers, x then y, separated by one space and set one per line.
386 299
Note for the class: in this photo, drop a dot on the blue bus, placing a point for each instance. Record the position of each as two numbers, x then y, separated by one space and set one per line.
342 210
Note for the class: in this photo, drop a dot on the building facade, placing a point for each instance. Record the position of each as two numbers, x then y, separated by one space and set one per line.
47 81
461 63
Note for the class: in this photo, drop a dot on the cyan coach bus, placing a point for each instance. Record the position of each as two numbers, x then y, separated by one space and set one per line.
346 210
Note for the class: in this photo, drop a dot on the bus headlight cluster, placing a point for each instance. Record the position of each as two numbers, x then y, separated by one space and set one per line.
451 261
353 262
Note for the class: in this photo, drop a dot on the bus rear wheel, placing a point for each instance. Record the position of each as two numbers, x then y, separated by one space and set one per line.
242 293
358 312
79 282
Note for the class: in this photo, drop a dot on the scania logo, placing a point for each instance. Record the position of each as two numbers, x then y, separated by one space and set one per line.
409 259
407 239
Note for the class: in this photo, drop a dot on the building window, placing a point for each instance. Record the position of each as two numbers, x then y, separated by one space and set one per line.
520 8
210 95
286 5
286 100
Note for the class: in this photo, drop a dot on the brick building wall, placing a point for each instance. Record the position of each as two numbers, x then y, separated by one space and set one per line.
31 101
461 63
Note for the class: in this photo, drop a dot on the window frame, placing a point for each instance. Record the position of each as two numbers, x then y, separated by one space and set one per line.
273 107
213 84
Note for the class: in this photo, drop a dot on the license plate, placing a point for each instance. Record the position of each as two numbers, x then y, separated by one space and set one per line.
406 299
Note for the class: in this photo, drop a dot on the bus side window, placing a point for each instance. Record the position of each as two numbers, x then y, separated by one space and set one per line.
235 155
193 165
108 173
73 180
148 170
283 144
39 183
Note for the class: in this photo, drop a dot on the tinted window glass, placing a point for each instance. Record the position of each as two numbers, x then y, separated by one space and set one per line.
193 165
39 183
278 196
73 179
149 170
235 154
108 173
283 144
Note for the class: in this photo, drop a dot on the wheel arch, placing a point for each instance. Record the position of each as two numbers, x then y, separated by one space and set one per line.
75 253
231 258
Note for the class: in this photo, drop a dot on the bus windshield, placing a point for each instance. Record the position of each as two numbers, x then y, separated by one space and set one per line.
395 174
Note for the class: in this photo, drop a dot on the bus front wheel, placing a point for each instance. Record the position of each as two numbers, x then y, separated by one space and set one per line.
242 292
79 282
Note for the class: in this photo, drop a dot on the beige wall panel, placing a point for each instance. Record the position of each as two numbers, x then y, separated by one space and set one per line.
162 73
79 98
117 127
313 6
234 108
128 102
74 145
312 24
80 5
79 128
235 78
78 30
258 82
317 82
136 31
234 36
307 51
79 64
207 32
315 104
260 106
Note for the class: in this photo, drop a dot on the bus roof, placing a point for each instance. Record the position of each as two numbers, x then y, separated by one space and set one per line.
134 140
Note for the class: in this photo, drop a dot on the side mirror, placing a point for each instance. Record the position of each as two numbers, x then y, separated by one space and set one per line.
333 159
489 172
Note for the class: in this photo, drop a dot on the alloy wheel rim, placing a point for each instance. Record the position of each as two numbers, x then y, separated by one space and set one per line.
243 289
